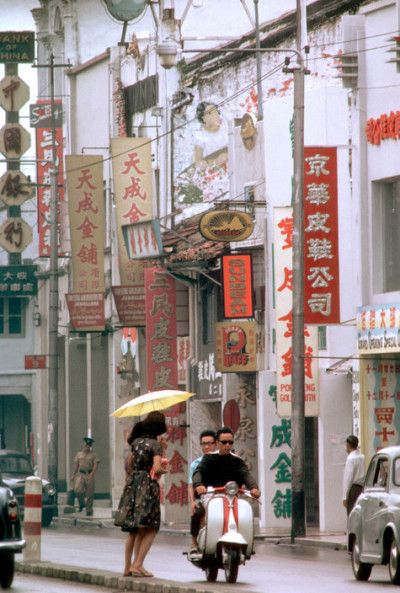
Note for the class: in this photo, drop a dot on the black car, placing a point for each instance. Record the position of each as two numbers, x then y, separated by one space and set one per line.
15 467
11 541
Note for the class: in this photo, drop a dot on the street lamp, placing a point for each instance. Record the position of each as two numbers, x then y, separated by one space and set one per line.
167 52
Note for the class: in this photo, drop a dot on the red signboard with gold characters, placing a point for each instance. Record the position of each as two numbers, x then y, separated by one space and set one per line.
321 242
237 285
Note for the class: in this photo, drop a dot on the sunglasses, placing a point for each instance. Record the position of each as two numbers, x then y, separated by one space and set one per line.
226 442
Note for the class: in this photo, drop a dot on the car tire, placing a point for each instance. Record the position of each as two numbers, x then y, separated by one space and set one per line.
394 562
6 569
361 570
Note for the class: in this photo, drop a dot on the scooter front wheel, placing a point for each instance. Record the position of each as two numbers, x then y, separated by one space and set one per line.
232 565
212 572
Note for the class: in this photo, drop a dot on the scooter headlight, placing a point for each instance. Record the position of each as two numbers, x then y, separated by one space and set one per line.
231 488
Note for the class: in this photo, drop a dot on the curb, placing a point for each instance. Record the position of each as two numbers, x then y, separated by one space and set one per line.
103 579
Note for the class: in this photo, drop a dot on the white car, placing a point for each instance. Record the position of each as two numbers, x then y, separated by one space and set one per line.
374 522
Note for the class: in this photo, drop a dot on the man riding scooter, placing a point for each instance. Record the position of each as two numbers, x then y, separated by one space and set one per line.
216 469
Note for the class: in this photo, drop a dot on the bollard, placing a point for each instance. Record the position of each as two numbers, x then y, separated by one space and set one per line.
33 518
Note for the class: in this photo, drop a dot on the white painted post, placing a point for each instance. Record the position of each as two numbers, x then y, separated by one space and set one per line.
33 518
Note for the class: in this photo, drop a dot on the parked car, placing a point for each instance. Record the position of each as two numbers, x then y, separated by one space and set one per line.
15 467
374 522
11 541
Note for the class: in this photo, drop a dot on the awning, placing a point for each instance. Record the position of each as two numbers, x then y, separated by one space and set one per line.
344 366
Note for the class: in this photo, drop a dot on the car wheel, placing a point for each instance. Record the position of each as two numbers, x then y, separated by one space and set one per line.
361 570
6 569
394 563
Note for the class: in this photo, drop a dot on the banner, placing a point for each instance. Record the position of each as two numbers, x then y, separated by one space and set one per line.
283 242
237 278
378 329
130 305
132 174
86 311
161 342
44 155
235 346
87 222
321 240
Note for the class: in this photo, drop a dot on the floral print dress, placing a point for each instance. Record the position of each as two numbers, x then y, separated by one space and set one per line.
141 497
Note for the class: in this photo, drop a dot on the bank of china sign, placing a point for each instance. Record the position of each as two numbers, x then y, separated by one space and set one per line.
378 329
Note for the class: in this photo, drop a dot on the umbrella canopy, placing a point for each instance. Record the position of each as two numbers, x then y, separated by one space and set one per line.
155 400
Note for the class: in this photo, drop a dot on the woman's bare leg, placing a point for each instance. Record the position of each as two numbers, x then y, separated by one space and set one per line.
129 545
146 539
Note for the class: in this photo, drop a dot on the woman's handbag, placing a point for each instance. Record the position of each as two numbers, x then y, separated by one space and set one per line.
123 515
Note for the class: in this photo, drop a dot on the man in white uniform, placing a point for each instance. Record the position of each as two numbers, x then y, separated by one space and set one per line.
354 473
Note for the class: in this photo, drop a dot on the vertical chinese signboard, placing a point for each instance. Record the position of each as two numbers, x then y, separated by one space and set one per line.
86 214
132 174
378 330
161 352
44 155
237 286
321 242
283 235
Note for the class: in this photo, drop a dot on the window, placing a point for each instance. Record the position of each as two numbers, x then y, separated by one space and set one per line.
11 317
386 238
378 473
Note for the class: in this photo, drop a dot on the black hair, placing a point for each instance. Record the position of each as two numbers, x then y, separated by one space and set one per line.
352 440
222 430
201 107
154 425
207 433
136 432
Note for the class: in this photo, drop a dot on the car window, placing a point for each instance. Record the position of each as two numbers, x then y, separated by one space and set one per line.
396 467
15 465
369 481
381 473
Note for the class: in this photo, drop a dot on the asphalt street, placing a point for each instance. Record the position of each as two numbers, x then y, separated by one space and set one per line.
274 569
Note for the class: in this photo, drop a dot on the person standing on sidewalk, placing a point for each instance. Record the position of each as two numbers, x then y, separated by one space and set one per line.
207 443
354 473
86 463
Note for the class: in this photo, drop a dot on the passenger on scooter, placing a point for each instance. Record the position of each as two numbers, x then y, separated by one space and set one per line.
207 443
224 466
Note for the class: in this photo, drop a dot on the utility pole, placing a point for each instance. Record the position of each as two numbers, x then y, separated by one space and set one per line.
298 528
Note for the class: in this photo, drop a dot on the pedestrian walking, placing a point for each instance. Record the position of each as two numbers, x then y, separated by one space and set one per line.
138 511
354 473
86 463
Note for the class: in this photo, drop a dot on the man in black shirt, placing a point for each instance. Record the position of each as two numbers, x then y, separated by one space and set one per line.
216 469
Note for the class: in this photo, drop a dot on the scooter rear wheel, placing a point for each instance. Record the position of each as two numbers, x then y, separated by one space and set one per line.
211 573
232 565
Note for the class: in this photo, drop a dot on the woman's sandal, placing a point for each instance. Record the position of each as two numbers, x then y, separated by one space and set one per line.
146 573
127 574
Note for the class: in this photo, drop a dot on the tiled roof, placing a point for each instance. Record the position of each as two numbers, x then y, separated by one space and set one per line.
195 247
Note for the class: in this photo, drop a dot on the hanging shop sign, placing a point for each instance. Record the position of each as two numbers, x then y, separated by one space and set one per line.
384 127
226 225
44 156
14 141
236 346
378 329
15 235
15 188
18 281
34 361
321 241
17 46
161 343
183 347
14 93
283 261
248 131
130 305
132 175
237 281
143 240
86 311
40 115
87 221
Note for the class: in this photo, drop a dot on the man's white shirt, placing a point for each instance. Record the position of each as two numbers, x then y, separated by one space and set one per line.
354 471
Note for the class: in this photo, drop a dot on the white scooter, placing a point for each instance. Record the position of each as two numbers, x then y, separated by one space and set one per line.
226 540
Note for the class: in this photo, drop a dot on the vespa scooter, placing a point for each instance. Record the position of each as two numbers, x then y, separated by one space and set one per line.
226 540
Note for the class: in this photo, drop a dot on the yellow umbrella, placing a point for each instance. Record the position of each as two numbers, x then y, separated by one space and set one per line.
155 400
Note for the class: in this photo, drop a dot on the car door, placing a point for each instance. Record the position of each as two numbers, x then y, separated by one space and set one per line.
375 510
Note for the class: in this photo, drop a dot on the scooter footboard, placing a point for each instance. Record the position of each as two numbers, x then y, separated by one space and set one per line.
246 523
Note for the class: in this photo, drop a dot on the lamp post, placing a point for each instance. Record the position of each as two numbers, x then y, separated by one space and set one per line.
167 52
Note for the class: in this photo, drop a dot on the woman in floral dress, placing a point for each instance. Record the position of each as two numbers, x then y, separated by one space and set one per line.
140 502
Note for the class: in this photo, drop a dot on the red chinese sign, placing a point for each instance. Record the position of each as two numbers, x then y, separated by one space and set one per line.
321 241
237 286
44 155
386 126
35 361
161 340
86 311
183 344
86 215
130 304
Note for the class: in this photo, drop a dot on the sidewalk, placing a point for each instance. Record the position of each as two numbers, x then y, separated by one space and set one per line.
102 519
